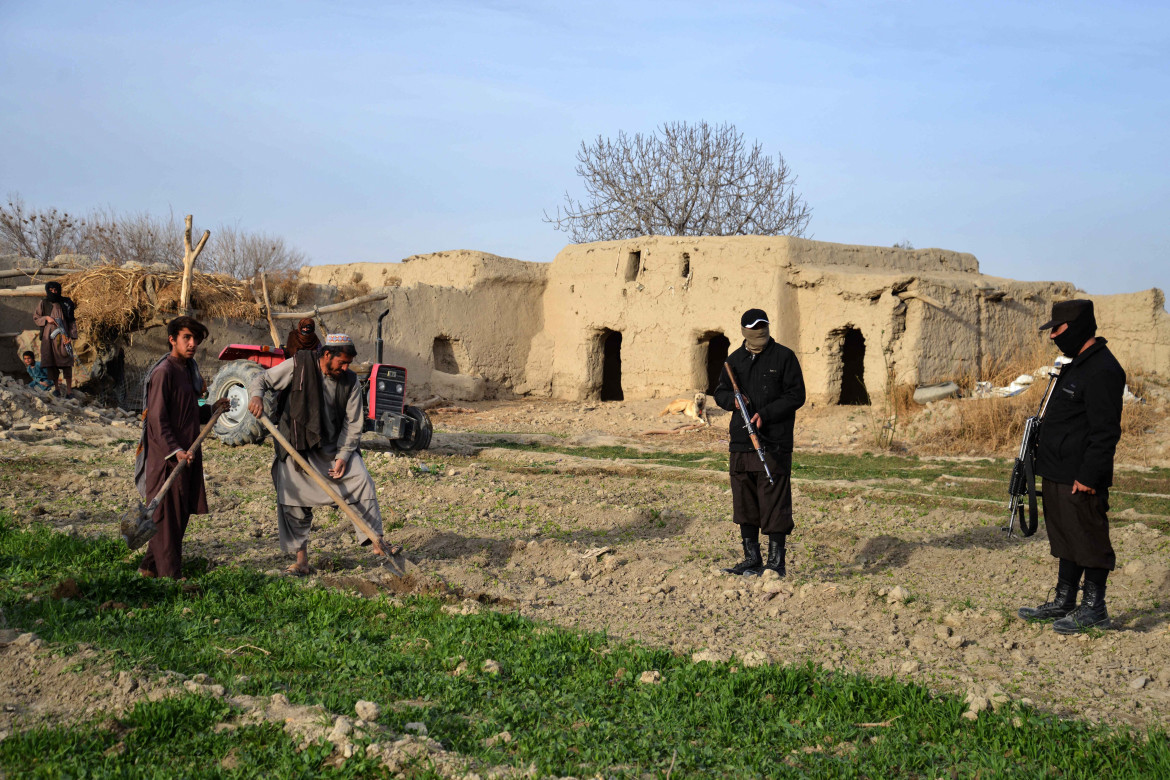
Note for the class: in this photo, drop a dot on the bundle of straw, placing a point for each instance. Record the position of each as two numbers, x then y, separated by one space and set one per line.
113 301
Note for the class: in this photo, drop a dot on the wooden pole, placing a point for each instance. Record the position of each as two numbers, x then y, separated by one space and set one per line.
268 312
14 272
296 315
189 256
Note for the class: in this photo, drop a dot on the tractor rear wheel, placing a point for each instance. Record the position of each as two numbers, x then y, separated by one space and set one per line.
237 426
420 437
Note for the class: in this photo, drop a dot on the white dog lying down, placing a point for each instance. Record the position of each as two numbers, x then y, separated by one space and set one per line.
695 408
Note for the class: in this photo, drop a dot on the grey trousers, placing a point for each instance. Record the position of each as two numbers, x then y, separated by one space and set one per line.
294 523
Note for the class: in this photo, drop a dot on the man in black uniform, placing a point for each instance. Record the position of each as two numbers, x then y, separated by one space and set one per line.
1075 457
769 377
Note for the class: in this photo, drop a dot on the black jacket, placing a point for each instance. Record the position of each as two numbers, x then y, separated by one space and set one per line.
1083 421
774 386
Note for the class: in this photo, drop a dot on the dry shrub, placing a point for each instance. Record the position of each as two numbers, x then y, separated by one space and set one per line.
995 425
1139 419
113 301
904 405
987 426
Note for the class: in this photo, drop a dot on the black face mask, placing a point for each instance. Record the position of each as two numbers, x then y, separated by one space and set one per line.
307 331
1076 334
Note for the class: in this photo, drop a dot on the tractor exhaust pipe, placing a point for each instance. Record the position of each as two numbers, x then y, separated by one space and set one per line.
378 341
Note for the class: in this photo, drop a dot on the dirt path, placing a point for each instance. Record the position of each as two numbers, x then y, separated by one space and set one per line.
925 593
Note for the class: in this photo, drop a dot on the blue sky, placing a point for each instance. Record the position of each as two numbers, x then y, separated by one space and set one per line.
1031 134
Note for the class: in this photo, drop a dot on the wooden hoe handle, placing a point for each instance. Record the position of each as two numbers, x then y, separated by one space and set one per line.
158 497
329 490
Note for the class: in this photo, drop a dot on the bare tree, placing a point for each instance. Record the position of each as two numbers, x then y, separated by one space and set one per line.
243 255
40 234
141 238
684 180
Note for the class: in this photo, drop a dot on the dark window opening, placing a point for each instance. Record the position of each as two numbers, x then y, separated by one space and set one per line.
633 265
686 264
611 366
853 392
448 355
715 347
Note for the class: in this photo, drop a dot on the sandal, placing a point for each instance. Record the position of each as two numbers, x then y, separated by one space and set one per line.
297 571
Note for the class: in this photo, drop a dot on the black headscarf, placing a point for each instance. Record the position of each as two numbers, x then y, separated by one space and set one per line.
53 296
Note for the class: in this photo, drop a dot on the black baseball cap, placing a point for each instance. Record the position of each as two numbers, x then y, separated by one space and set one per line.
1066 311
753 318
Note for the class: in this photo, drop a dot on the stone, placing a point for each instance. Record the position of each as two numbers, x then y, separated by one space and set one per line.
28 639
770 574
773 586
1137 683
910 667
491 667
977 703
708 656
943 632
651 677
342 727
1133 568
367 710
503 738
956 641
754 658
417 728
897 595
126 682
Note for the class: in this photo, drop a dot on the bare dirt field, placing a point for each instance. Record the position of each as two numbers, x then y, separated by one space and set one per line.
568 513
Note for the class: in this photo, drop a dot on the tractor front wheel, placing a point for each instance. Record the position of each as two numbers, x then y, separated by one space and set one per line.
237 426
421 430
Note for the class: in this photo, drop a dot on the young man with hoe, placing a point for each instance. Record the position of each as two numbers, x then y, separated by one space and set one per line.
173 418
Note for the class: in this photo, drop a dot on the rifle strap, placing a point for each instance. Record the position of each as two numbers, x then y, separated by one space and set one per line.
1028 526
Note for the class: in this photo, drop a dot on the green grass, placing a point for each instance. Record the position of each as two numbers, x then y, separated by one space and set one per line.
570 699
168 738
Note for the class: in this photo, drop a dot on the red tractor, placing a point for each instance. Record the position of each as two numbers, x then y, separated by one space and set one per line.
383 389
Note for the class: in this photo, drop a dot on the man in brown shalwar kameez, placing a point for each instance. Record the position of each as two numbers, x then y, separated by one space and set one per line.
319 411
54 315
173 419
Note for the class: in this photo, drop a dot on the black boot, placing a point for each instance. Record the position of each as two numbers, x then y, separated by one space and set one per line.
752 562
1064 602
775 554
1090 614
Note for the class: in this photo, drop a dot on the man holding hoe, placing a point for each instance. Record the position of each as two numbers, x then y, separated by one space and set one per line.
172 418
319 412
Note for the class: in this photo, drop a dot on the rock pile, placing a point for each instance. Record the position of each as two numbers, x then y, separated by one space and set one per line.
33 417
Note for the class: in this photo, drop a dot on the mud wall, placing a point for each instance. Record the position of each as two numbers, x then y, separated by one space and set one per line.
461 323
1138 329
854 315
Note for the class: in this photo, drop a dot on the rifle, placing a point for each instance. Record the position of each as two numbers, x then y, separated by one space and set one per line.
741 404
1023 479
